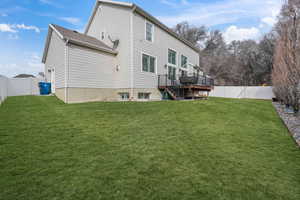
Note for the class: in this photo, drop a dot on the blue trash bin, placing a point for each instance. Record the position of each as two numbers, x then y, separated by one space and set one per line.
45 88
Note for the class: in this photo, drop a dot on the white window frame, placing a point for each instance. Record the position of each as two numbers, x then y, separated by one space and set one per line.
144 99
152 31
187 62
155 67
176 61
121 93
176 71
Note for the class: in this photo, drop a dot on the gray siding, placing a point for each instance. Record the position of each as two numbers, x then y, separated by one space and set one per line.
90 68
114 21
56 59
159 49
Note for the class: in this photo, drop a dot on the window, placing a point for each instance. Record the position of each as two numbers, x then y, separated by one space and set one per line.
171 73
142 95
149 32
124 96
183 61
148 63
172 57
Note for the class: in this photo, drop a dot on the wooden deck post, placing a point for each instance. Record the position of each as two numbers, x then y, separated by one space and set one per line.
166 80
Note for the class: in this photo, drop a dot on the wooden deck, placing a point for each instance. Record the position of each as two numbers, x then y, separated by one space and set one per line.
194 87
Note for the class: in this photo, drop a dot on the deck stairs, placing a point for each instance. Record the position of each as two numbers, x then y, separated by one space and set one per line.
176 93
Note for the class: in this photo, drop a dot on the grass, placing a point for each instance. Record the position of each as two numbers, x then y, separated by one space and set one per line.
215 149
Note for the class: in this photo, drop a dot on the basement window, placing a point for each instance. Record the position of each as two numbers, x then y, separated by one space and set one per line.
124 96
143 96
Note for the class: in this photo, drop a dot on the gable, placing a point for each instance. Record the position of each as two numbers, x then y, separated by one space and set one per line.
146 15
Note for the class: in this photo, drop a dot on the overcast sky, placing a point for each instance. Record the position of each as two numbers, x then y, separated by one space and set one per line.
24 24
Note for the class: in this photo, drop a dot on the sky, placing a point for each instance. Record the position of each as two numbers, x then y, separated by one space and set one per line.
24 23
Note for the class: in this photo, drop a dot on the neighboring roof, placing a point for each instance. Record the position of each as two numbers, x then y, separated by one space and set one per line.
145 14
77 38
24 76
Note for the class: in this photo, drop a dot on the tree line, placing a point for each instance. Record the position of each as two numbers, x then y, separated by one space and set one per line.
238 63
274 60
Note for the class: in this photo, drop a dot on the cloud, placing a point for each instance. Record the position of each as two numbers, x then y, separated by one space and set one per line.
272 19
7 28
269 21
3 15
234 33
169 3
13 28
30 65
175 3
71 20
51 3
23 26
222 12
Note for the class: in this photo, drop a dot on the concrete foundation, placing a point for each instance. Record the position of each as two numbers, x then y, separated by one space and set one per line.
80 95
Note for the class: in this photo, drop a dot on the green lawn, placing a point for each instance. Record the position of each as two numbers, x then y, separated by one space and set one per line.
214 149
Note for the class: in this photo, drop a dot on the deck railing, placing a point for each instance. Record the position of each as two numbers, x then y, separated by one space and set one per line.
186 80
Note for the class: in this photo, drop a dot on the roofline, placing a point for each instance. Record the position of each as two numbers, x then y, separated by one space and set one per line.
118 3
56 31
154 20
52 28
91 17
145 14
79 43
46 48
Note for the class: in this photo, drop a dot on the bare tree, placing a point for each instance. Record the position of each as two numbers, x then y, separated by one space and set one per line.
238 63
191 33
286 72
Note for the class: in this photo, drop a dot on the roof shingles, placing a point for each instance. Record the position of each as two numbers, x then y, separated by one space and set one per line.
82 39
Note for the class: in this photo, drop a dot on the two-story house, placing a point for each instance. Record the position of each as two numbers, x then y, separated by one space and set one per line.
119 57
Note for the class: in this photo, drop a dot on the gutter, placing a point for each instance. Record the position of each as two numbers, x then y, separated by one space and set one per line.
92 46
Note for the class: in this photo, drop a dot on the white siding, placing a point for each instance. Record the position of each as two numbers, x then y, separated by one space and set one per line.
114 21
56 60
159 49
90 68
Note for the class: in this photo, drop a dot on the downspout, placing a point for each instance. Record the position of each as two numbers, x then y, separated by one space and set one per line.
131 55
66 70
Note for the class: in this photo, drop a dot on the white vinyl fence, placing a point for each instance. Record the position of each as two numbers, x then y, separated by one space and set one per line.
18 87
243 92
3 88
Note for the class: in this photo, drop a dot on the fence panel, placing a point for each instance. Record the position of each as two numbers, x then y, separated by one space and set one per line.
18 87
3 89
22 86
248 92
